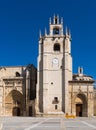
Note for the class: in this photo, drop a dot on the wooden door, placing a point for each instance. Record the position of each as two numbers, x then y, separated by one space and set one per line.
16 111
30 111
79 110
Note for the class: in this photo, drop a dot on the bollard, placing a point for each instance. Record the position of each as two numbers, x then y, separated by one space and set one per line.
62 125
1 126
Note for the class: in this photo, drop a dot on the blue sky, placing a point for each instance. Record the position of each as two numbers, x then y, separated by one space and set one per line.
21 20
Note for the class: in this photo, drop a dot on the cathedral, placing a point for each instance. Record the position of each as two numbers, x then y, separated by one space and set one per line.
52 89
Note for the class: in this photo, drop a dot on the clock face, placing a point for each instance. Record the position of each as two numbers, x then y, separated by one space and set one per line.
55 61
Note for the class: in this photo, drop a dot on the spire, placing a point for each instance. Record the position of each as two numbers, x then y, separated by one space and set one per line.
69 33
66 31
45 32
50 20
80 70
54 19
57 19
40 34
61 20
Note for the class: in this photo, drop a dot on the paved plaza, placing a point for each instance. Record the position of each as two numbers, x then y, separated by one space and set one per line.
34 123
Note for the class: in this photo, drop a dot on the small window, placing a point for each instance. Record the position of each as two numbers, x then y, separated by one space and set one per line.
51 83
56 99
17 74
57 47
56 107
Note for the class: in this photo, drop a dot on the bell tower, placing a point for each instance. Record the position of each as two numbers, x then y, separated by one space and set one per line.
54 69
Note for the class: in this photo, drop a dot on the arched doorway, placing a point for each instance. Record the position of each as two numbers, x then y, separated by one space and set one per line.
14 103
81 105
16 111
30 111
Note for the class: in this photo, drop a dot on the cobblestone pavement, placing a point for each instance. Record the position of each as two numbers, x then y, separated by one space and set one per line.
34 123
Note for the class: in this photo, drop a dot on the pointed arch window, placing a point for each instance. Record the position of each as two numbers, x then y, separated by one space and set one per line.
56 47
17 74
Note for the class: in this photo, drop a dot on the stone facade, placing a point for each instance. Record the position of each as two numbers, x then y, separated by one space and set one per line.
60 92
54 64
81 95
94 96
16 85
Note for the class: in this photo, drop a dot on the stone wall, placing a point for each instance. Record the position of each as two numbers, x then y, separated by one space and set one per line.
94 102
